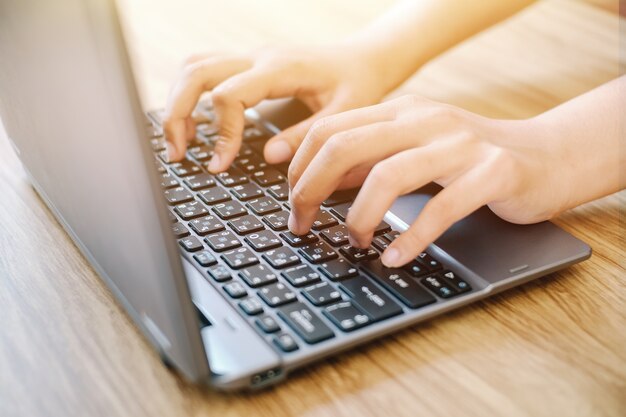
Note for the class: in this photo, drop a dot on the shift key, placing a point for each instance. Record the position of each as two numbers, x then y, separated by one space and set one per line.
370 298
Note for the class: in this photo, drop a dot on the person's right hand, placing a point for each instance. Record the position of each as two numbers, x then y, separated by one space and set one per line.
328 81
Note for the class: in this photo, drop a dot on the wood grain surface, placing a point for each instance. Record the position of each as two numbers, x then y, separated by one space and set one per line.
554 347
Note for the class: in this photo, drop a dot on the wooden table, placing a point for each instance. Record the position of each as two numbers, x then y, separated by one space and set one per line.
555 347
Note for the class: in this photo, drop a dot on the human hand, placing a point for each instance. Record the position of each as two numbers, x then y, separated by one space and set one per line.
327 80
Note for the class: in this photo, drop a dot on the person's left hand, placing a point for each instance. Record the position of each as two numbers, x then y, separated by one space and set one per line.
519 168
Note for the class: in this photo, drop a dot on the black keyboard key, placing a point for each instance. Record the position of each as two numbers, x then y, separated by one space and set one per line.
357 255
214 195
346 316
399 283
301 275
279 191
305 322
430 262
267 324
285 342
321 294
167 181
229 210
205 258
235 289
263 240
341 210
382 228
245 192
202 153
232 177
251 306
318 252
200 181
267 177
439 286
370 299
296 240
220 273
415 269
263 205
380 243
277 221
240 258
257 276
177 195
457 282
185 168
222 241
251 163
324 220
180 230
281 257
338 269
191 244
191 210
336 235
246 224
277 294
339 197
206 225
391 236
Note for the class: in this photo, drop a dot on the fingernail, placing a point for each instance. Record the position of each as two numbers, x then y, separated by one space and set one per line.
278 151
391 257
214 164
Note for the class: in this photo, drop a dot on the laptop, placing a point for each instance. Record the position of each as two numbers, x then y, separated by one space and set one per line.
204 264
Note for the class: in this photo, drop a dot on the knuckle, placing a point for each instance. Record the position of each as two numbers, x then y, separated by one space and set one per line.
220 96
299 196
317 133
383 174
337 143
356 227
293 173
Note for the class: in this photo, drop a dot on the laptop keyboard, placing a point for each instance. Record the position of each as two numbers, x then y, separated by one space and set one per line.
295 290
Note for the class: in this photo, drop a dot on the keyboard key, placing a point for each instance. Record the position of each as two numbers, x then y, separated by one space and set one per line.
324 220
341 210
370 299
240 258
391 236
200 181
251 306
439 286
318 252
321 294
295 240
263 240
285 342
281 257
263 205
245 192
277 221
251 163
191 244
191 210
231 177
339 197
185 168
415 269
267 324
383 227
301 275
380 243
177 195
357 255
338 269
277 294
205 258
279 191
305 322
336 235
167 181
235 289
214 195
202 153
457 282
267 177
229 210
205 225
180 230
246 224
257 276
399 283
222 241
220 273
429 261
346 316
254 133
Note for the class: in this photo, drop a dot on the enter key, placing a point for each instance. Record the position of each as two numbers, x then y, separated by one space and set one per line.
370 298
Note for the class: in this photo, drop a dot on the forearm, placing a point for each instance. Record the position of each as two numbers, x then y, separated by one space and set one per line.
414 32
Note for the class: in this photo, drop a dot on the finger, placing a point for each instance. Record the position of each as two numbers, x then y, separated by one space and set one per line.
461 198
196 78
395 176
